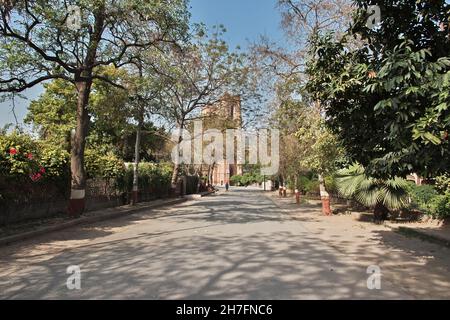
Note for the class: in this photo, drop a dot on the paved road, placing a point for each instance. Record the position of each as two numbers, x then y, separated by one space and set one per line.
236 245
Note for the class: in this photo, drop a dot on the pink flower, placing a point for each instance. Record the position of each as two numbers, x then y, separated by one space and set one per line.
42 170
35 176
12 151
30 156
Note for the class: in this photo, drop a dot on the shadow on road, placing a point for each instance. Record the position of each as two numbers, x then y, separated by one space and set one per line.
237 245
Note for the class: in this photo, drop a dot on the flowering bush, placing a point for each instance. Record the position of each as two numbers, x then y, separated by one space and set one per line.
17 155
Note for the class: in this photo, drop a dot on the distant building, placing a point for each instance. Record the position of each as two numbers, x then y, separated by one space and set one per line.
225 114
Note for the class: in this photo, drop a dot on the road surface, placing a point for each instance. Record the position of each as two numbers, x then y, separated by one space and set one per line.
235 245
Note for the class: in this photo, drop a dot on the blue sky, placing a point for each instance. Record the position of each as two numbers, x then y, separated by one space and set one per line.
245 21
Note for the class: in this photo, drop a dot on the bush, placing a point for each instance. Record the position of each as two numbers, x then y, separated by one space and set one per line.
303 183
31 170
427 199
153 178
18 155
247 179
443 184
308 185
236 180
107 166
421 196
331 184
440 206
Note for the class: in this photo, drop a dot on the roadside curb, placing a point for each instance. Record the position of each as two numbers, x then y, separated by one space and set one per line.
115 213
417 233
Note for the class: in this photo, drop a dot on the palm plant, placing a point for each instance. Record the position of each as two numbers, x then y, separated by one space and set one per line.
382 195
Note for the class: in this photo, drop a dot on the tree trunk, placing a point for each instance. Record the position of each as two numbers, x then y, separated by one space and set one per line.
380 212
177 165
136 161
83 83
78 183
324 196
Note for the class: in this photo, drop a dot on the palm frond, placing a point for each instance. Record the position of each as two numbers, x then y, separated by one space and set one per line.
353 183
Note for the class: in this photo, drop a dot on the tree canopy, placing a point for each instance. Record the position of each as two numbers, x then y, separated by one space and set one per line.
388 100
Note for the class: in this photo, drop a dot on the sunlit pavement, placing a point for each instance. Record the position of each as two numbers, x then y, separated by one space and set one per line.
234 245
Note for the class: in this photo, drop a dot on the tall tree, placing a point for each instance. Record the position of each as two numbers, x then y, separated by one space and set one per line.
388 100
45 40
202 72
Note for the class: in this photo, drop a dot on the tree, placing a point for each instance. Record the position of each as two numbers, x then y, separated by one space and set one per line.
148 81
302 20
201 73
388 100
43 40
53 113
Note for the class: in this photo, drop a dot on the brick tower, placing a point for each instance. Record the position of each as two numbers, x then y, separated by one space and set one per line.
225 114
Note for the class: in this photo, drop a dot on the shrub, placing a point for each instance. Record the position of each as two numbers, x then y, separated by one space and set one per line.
427 199
55 160
421 196
236 180
331 184
382 195
303 183
247 179
153 178
18 155
443 183
31 170
98 165
440 207
308 185
313 187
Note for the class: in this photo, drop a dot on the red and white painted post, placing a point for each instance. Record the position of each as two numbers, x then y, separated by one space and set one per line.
297 196
326 206
77 202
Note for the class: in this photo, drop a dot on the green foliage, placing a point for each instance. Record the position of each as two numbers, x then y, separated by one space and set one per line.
440 207
53 113
421 196
427 199
331 184
443 183
353 183
44 46
236 180
18 155
247 179
153 178
100 165
22 156
308 186
56 162
388 99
